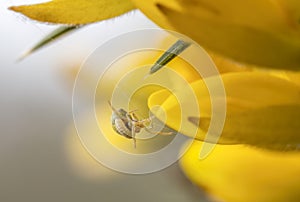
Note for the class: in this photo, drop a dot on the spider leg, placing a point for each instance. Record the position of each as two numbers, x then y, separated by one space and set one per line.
145 122
133 133
129 117
150 121
159 133
134 142
132 111
114 109
165 133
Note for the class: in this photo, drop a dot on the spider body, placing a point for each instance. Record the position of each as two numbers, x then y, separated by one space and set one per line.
128 125
122 123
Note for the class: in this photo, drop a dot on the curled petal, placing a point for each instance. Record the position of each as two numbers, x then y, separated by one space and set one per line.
262 110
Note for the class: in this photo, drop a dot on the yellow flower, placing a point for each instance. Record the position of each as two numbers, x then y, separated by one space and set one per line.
231 172
239 173
260 32
262 113
262 110
263 107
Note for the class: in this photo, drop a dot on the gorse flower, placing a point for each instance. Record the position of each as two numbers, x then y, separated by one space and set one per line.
238 173
262 110
261 32
257 156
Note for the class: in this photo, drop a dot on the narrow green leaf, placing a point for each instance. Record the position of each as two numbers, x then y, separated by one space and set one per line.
51 37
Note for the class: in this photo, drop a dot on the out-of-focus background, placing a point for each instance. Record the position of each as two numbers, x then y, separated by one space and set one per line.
41 158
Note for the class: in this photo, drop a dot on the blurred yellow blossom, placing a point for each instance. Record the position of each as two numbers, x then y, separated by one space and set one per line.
239 173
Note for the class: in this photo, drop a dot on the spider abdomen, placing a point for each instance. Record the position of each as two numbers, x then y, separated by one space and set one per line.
121 128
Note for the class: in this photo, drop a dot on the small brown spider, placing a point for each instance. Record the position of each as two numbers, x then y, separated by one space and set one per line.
127 124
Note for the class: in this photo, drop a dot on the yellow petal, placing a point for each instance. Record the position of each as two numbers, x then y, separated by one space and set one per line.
293 7
262 110
238 173
275 127
294 77
269 38
227 65
259 89
75 11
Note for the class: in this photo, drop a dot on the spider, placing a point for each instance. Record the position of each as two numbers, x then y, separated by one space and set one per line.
127 124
